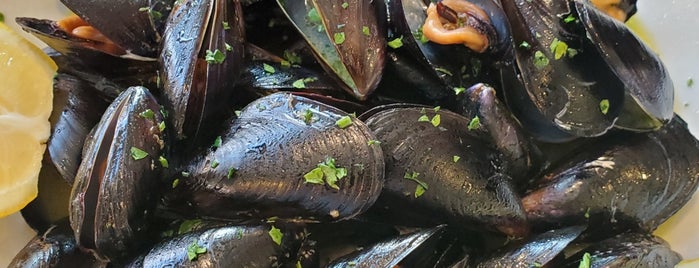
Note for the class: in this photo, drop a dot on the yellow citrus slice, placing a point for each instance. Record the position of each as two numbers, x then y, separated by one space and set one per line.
26 92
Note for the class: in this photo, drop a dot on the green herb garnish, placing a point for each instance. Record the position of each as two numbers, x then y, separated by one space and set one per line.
292 57
163 162
217 142
345 5
396 43
214 57
339 38
366 31
188 225
184 174
225 25
308 116
455 158
459 90
525 44
570 18
231 172
276 235
604 106
326 172
436 119
558 48
301 83
147 114
175 183
423 118
421 186
214 163
153 13
138 154
228 47
373 142
268 68
161 126
690 82
540 60
344 122
585 261
420 36
475 123
587 213
194 250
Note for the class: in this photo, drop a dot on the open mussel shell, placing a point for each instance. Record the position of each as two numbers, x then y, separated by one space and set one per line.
227 246
626 250
433 247
348 40
625 181
649 90
201 60
533 252
453 65
55 247
116 186
439 171
134 30
259 169
562 88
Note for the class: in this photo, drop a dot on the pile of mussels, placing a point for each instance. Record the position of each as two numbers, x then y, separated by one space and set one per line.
227 133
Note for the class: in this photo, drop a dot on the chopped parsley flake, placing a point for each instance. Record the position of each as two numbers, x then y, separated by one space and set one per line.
344 122
231 173
138 154
163 111
421 185
570 18
301 83
366 31
147 114
292 57
225 25
228 47
423 118
298 264
585 261
184 174
540 60
459 90
285 63
436 108
420 36
558 48
475 123
214 163
175 183
215 56
163 162
153 13
396 43
313 16
308 116
525 44
455 158
536 264
217 142
268 68
326 172
161 126
436 120
373 142
690 82
604 106
345 5
572 52
587 213
188 225
237 113
276 235
194 250
339 38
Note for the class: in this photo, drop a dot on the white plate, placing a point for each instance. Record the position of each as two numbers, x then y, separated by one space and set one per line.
668 26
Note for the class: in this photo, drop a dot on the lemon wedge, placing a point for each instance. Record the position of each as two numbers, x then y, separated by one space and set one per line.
26 93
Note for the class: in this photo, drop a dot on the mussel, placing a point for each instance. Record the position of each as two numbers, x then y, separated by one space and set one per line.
288 157
626 250
115 190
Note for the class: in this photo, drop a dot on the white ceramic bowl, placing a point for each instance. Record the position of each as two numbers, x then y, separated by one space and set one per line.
668 26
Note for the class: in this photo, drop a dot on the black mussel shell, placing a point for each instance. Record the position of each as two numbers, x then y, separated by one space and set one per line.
269 161
536 251
348 40
79 113
55 247
433 247
626 180
438 170
562 88
134 30
626 250
649 90
116 186
201 59
227 246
